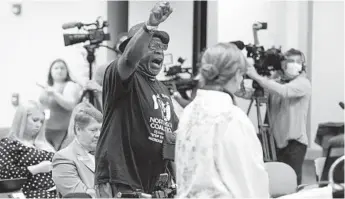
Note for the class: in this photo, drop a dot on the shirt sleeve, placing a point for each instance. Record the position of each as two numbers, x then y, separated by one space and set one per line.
296 88
9 156
113 86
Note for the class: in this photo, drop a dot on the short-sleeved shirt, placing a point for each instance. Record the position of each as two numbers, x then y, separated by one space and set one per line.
14 161
137 113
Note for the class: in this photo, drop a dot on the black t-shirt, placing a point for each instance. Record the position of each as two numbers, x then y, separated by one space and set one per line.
137 113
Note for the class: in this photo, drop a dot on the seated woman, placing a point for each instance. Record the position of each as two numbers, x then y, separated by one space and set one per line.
25 153
218 153
74 166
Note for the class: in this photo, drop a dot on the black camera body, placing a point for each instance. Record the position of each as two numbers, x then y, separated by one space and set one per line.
265 61
95 35
177 82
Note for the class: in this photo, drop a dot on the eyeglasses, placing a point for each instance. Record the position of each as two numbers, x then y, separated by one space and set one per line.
156 44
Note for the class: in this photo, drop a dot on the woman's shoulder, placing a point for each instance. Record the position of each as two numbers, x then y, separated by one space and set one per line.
7 141
73 86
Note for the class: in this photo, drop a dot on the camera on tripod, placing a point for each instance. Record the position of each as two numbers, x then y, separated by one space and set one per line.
177 80
95 35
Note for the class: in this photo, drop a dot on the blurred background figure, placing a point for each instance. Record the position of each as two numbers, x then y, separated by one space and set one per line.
25 153
74 166
59 97
95 85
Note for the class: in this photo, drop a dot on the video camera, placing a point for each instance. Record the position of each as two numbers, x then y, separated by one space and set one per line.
95 35
177 82
265 61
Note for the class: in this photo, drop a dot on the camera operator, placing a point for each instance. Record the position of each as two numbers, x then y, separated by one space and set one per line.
177 96
288 102
95 85
138 112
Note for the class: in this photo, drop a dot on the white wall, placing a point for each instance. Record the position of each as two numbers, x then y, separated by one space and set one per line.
179 25
327 63
29 42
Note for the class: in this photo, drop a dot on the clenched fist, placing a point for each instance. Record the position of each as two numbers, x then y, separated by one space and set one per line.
159 13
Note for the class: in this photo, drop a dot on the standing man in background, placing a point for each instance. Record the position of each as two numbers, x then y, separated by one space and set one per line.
138 112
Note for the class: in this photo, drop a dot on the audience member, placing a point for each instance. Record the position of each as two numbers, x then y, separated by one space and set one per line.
59 96
213 159
25 153
74 166
95 85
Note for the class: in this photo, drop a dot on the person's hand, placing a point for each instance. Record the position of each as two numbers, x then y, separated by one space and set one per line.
251 72
276 74
92 85
49 90
43 167
159 13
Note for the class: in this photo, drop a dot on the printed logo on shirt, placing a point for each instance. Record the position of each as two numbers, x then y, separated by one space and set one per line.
162 103
163 125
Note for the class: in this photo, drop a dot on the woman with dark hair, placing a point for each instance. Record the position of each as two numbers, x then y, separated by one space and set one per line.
59 97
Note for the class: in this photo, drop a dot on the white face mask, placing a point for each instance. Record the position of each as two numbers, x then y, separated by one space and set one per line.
293 69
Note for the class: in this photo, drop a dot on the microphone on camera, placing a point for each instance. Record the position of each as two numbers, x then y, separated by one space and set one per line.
72 25
240 45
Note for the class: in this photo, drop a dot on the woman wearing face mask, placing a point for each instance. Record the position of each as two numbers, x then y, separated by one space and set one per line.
25 153
289 98
213 157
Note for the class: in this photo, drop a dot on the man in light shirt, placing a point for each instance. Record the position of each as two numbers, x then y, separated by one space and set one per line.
74 166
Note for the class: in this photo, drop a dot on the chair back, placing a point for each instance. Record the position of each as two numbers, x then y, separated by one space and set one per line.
282 179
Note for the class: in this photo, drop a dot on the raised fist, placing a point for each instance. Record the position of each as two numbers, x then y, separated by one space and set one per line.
159 13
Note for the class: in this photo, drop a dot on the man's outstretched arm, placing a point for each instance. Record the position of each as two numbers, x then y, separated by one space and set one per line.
137 47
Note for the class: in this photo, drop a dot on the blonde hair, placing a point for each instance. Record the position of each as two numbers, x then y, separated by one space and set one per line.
75 113
19 126
219 64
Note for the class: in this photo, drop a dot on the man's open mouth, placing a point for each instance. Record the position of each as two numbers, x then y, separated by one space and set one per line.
156 63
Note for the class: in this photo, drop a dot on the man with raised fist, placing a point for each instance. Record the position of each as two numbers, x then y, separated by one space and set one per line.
138 111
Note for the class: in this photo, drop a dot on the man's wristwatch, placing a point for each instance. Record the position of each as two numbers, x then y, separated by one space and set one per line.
150 29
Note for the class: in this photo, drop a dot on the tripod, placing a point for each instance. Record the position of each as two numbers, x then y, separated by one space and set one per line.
90 58
265 136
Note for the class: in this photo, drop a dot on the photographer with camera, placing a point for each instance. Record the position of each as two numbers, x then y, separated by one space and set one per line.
288 102
95 85
138 112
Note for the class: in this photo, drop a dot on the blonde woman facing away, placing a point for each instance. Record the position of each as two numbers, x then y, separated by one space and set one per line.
218 153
